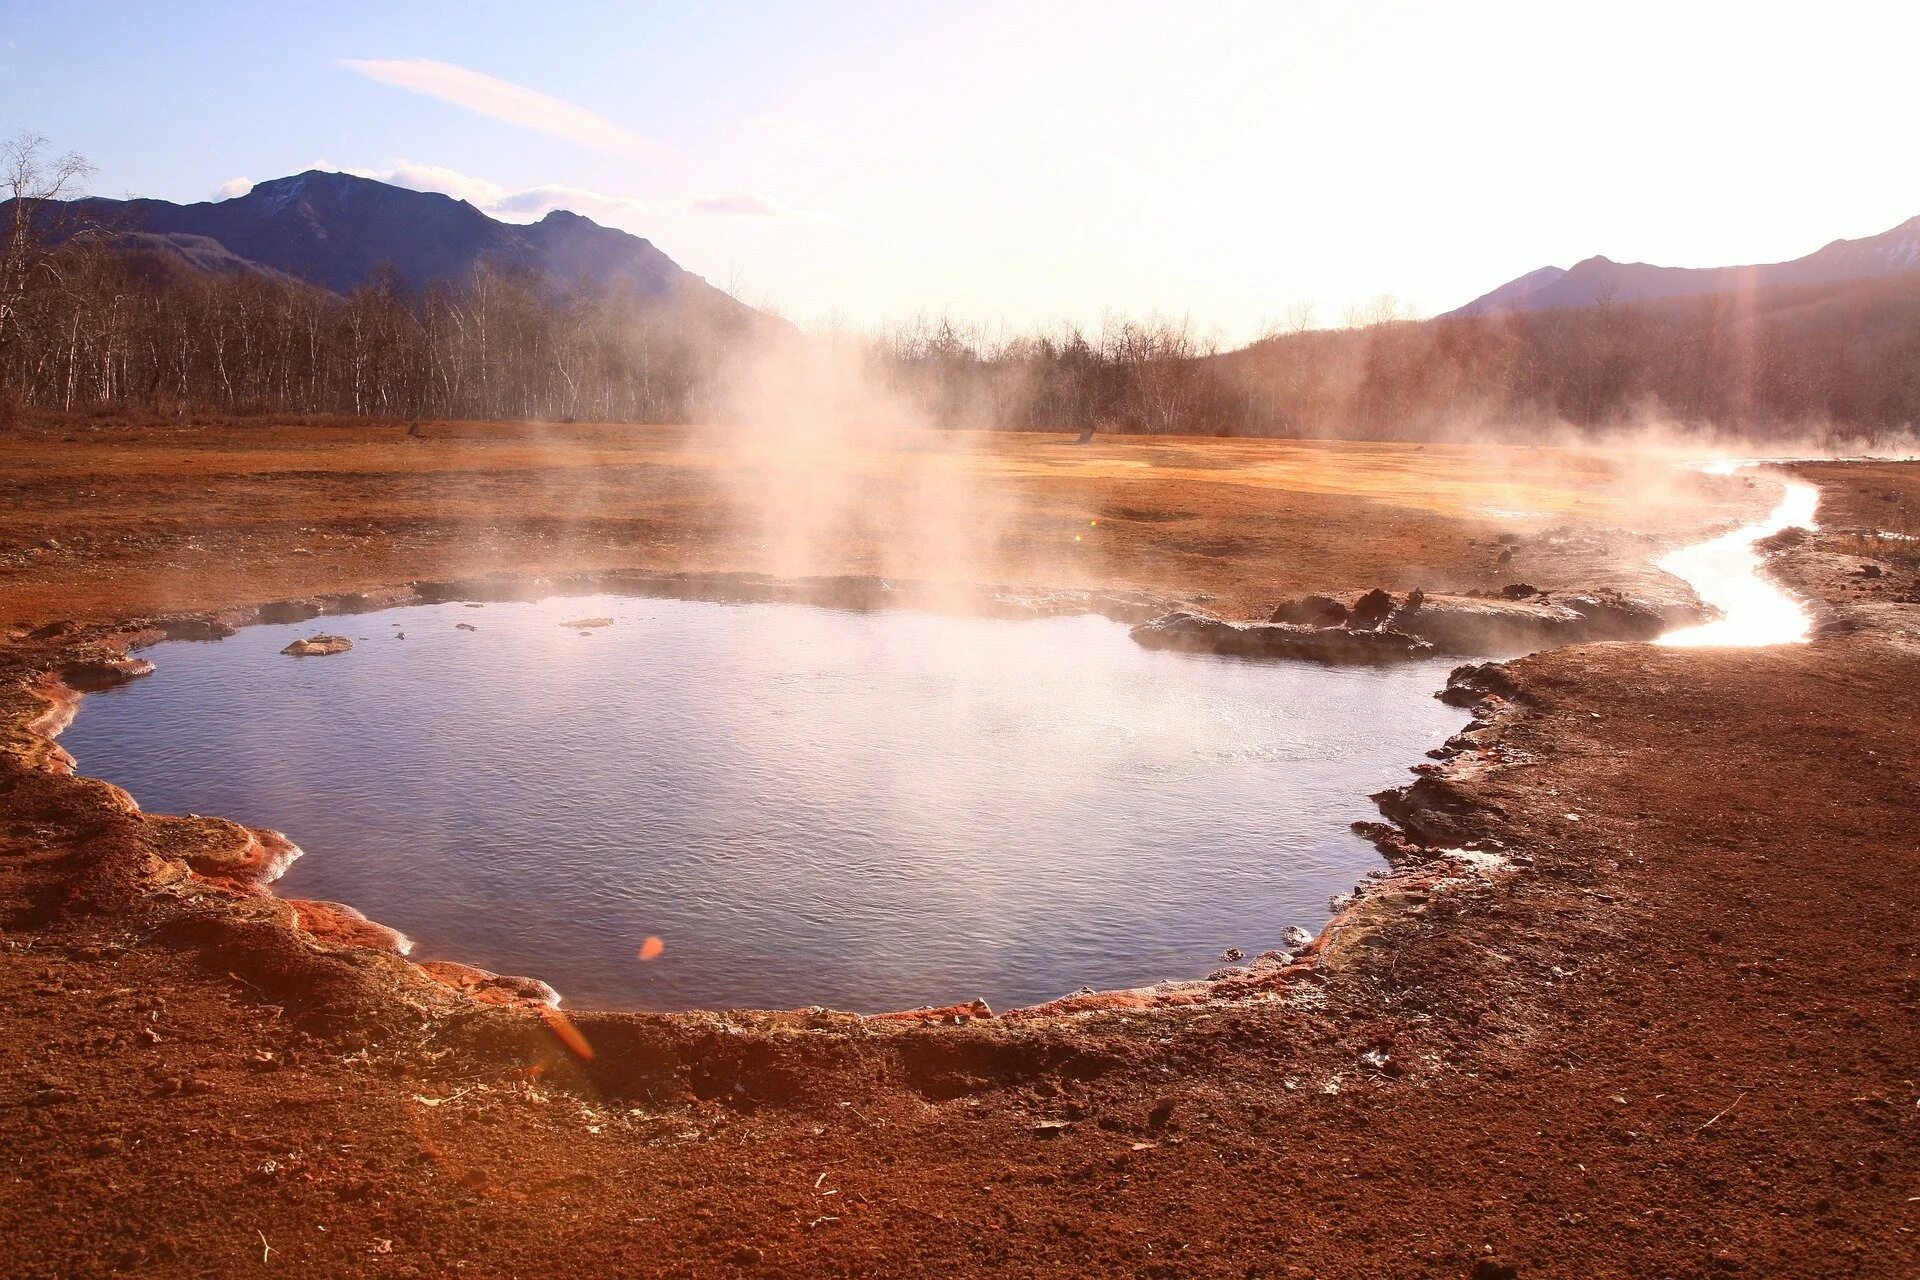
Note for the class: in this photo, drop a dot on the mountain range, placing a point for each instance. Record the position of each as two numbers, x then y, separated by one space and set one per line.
336 230
1599 279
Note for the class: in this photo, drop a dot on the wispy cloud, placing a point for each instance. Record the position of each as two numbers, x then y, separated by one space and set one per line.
530 204
741 203
509 204
501 100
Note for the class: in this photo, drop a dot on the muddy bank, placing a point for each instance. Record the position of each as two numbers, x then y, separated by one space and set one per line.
1379 627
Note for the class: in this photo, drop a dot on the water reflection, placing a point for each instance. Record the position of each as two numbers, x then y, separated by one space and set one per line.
803 806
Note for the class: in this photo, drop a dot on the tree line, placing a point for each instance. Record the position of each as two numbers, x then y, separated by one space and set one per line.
94 320
1842 359
118 334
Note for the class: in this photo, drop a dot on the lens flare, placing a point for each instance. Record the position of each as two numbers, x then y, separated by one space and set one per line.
651 949
567 1034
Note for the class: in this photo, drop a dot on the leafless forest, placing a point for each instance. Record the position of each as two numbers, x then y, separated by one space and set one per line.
96 323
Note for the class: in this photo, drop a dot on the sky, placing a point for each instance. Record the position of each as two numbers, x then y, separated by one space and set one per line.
1027 164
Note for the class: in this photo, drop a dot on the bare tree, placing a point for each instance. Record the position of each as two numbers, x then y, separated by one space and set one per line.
29 178
98 322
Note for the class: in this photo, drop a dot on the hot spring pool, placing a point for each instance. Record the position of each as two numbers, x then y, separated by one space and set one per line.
863 810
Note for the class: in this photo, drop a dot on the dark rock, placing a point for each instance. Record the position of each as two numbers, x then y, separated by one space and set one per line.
1495 1269
1469 684
1407 616
1516 624
1390 841
1370 610
1202 633
1519 591
362 601
1608 615
289 611
1785 540
89 674
195 629
1462 625
1311 611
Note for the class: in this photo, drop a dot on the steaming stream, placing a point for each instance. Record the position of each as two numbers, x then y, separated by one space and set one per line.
1725 573
867 811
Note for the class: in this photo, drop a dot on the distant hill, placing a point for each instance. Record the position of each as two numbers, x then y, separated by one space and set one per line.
1601 279
337 230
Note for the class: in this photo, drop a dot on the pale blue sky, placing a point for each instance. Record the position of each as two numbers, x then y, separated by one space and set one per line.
1032 162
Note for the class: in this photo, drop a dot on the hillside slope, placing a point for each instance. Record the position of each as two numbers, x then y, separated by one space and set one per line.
1601 279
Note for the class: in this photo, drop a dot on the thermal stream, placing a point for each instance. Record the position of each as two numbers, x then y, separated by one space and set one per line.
1725 573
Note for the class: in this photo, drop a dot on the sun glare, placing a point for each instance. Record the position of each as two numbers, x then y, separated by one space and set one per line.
1726 574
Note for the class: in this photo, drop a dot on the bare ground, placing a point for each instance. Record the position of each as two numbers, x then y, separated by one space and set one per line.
1669 1030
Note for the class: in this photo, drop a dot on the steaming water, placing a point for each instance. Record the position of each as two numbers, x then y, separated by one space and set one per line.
866 811
1725 573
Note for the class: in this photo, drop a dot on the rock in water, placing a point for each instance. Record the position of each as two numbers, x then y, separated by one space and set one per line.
1203 633
318 646
88 674
589 622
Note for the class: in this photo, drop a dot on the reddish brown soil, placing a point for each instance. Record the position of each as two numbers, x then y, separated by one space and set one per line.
144 519
1675 1036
